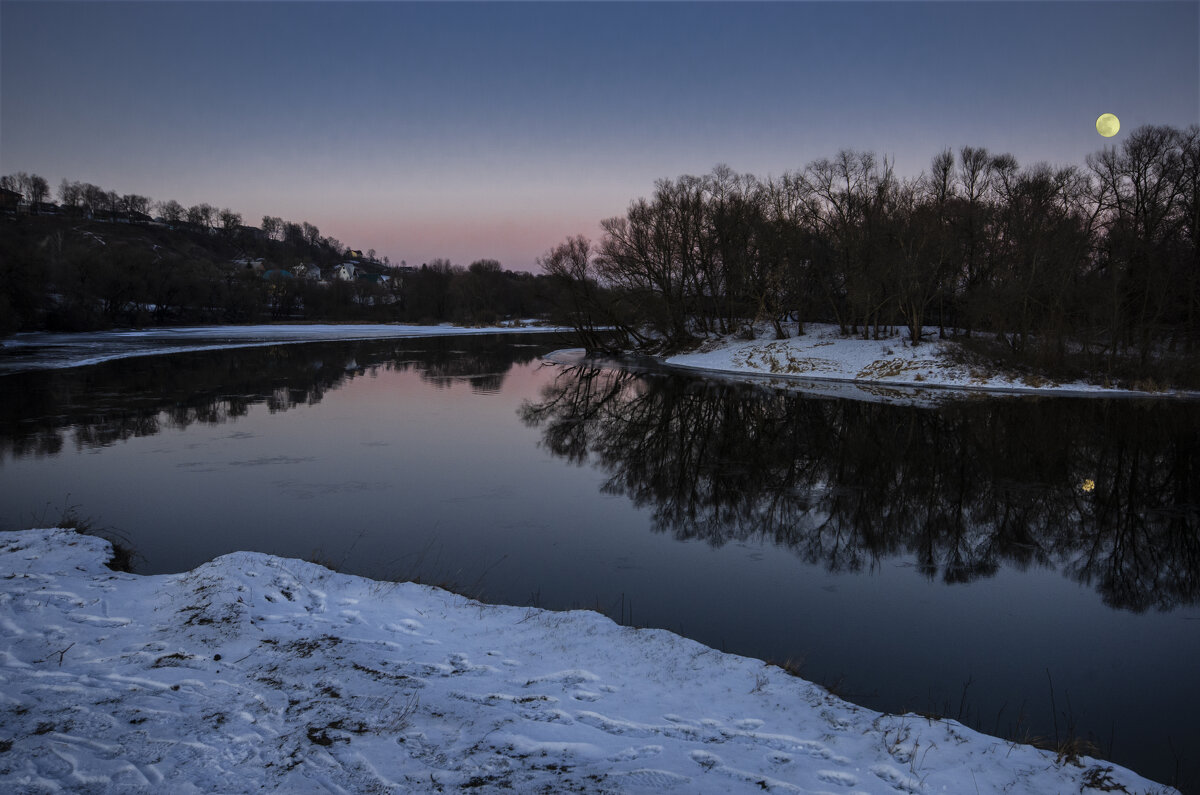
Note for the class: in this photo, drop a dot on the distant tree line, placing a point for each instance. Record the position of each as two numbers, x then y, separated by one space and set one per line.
98 259
1046 261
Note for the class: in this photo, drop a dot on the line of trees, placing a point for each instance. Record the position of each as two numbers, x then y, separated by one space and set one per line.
482 293
78 199
97 259
32 188
1045 260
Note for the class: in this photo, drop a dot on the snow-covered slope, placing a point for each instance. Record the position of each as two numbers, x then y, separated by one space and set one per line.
256 673
822 353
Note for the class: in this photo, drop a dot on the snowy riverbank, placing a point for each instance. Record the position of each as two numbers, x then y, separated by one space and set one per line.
254 672
823 354
49 351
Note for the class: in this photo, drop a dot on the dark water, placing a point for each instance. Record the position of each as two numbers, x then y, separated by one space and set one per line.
1028 566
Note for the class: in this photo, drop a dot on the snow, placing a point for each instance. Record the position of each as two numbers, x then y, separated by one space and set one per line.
823 355
253 672
46 351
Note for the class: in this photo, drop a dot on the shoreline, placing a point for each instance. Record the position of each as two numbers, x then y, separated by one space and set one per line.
823 356
76 349
915 387
253 671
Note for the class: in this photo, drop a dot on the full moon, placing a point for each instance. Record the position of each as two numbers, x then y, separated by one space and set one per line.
1108 125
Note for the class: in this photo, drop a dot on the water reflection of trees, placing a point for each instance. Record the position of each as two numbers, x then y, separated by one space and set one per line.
965 488
41 412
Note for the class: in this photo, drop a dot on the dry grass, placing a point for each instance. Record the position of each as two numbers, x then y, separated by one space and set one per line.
789 666
890 368
882 368
1036 381
1149 385
778 358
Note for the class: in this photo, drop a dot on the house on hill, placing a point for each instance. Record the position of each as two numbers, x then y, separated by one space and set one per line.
307 271
9 200
345 272
257 265
374 278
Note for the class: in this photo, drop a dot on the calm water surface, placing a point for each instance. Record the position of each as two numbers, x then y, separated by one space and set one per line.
1028 566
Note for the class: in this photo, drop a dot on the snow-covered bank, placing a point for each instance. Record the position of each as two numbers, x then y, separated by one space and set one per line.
46 351
823 354
255 672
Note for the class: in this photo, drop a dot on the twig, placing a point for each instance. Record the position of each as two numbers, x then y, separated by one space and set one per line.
1053 706
962 701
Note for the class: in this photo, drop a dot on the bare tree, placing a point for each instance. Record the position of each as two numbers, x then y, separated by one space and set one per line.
133 203
312 235
971 224
1142 191
202 214
70 195
293 234
1189 205
38 189
95 200
272 227
171 211
572 265
230 221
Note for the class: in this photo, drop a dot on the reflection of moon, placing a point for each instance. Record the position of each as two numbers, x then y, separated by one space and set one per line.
1108 125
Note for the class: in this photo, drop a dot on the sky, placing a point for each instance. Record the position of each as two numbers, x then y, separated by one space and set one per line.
495 130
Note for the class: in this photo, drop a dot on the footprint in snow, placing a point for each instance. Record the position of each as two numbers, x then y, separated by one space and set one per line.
408 626
99 621
896 778
836 777
656 779
630 754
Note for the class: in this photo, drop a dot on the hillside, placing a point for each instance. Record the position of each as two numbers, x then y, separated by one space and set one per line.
72 272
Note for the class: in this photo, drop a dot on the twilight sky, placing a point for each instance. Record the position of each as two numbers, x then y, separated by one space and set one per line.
471 130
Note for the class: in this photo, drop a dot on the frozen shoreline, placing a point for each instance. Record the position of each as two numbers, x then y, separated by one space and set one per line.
825 358
51 351
255 672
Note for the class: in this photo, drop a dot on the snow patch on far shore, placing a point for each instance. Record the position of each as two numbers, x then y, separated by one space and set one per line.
823 354
52 351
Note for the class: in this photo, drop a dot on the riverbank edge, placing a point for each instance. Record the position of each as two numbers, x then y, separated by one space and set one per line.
277 594
403 332
826 335
911 386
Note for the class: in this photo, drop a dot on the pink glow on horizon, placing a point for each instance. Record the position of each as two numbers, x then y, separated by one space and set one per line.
515 242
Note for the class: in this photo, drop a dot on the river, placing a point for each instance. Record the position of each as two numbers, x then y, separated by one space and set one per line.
1029 566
